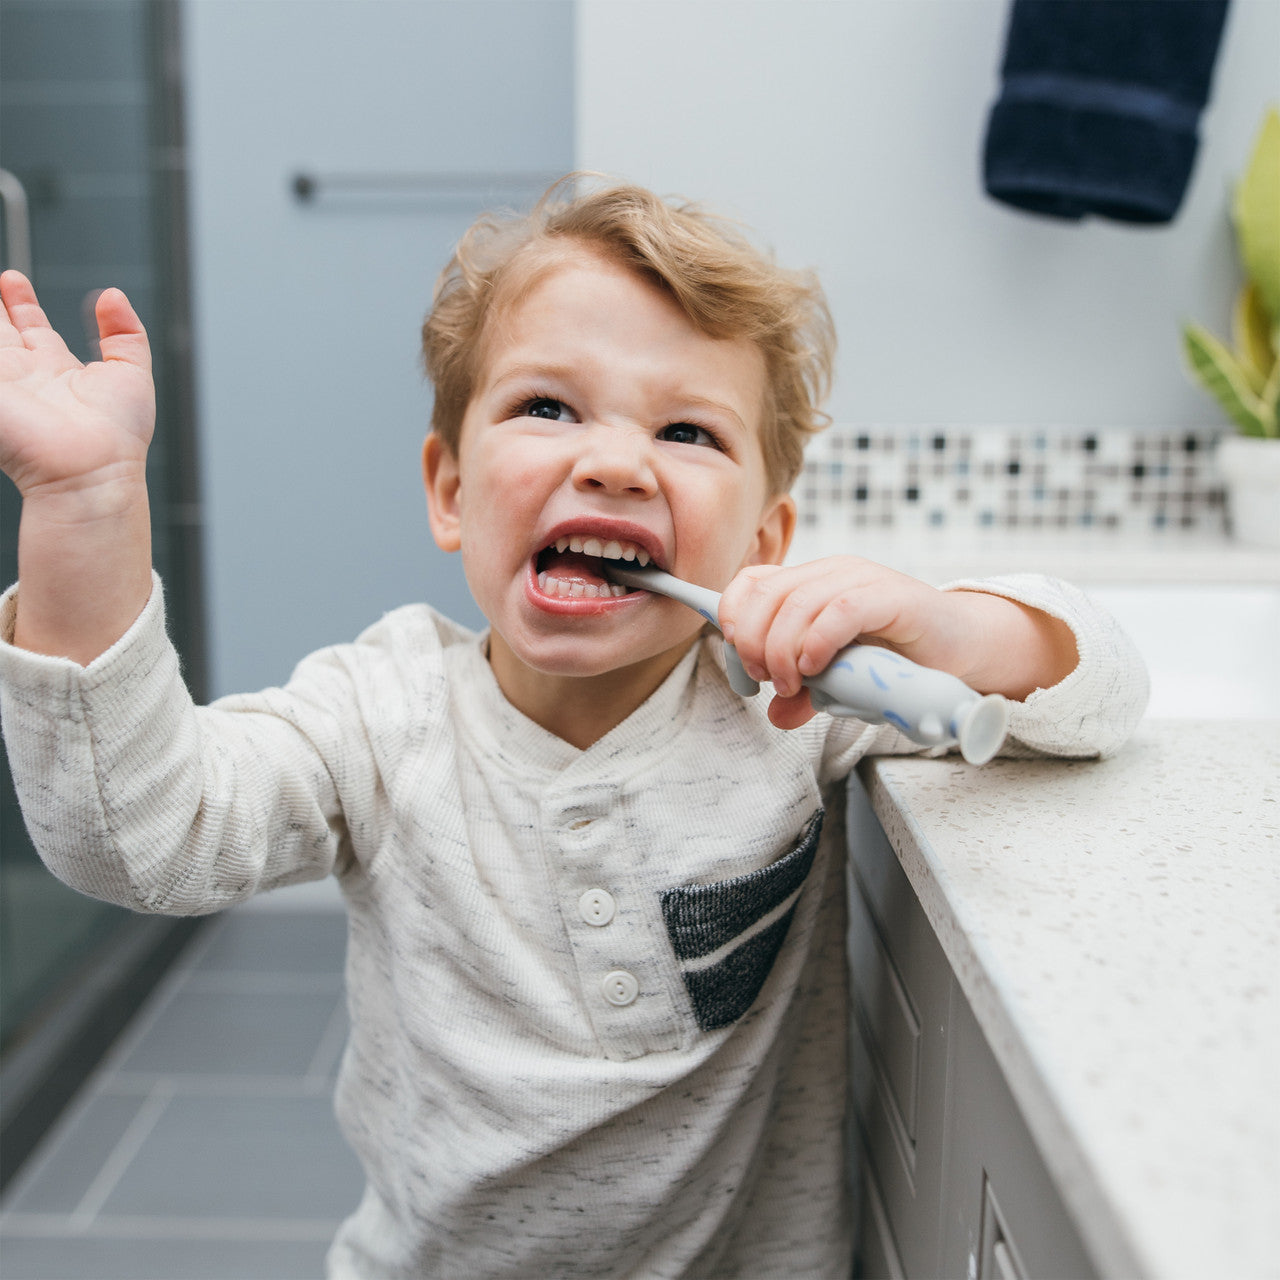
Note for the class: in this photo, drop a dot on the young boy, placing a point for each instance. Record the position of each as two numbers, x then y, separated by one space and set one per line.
596 965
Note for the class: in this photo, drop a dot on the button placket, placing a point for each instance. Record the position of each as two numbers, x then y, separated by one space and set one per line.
610 937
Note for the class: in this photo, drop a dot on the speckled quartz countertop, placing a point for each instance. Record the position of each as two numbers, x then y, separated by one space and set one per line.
1115 926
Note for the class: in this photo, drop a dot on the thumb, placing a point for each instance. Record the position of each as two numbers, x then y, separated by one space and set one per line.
120 332
791 713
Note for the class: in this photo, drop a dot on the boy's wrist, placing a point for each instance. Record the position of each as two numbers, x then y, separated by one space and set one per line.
116 491
84 567
1016 648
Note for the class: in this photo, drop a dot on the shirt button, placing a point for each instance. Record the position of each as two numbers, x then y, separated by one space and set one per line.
596 906
620 987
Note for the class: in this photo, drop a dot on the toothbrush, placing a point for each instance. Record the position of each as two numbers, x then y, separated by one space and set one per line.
874 684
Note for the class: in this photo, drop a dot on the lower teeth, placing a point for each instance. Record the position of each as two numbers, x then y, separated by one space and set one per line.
579 590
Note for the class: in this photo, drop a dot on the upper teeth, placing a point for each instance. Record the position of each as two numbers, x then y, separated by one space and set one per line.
612 550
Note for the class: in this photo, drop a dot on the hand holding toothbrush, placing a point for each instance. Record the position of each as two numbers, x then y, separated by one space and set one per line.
789 622
796 622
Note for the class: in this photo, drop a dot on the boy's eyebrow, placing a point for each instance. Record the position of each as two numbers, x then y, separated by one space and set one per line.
563 372
522 372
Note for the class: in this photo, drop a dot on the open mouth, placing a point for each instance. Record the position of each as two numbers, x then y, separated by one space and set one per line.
572 567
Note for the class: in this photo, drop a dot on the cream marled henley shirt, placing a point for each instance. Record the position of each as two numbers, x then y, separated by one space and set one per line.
598 998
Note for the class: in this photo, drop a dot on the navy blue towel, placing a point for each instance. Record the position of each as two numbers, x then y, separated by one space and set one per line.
1099 106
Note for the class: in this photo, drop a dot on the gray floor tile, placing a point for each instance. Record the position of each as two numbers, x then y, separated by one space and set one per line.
278 942
211 1151
237 1157
246 1032
32 1258
56 1181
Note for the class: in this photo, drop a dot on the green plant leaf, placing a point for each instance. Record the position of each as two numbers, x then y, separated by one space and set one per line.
1271 404
1257 214
1251 336
1216 369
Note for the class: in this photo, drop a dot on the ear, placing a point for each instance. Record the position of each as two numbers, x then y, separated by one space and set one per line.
443 483
773 535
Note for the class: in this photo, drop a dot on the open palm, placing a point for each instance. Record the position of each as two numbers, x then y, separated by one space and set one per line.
66 425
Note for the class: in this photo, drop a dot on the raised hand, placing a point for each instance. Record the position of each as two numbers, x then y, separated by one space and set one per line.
65 425
73 438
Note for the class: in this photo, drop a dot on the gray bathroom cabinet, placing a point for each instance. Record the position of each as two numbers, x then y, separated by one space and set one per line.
948 1181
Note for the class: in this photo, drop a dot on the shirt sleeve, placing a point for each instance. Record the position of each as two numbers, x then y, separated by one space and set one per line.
134 795
1090 713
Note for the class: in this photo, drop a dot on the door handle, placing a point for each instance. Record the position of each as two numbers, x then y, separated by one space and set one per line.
17 223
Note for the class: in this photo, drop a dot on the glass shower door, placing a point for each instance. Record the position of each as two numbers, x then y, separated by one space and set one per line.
91 138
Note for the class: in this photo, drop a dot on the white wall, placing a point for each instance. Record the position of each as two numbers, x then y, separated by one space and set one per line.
312 406
848 133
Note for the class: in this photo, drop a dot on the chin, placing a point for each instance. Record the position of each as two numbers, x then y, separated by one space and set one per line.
561 656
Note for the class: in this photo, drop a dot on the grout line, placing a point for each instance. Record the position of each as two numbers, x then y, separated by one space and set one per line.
121 1157
262 982
125 1084
329 1049
144 1227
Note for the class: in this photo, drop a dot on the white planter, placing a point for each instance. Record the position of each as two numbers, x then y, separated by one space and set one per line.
1250 468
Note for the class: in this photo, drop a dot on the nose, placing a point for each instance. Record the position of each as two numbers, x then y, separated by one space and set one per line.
616 459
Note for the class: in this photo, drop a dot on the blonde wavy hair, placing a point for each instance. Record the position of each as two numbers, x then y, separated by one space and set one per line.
726 286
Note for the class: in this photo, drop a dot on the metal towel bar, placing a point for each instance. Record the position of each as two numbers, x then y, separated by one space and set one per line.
308 187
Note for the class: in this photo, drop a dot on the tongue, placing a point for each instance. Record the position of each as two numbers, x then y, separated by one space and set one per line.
571 566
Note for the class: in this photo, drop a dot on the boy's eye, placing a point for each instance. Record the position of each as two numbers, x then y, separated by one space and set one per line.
687 433
545 407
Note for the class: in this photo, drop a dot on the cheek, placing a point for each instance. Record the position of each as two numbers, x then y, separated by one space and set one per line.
734 532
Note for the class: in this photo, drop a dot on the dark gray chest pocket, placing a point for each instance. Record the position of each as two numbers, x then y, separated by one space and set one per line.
727 935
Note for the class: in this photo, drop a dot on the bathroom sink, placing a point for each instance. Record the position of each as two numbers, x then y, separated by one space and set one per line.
1213 651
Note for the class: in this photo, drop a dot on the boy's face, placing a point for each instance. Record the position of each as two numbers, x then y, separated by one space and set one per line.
602 414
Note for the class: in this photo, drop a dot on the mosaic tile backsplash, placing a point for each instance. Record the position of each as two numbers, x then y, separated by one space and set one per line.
998 478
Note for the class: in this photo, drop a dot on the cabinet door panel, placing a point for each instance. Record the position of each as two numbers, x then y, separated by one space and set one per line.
878 1255
1003 1218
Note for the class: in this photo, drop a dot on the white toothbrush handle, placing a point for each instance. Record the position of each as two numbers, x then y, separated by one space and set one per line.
931 707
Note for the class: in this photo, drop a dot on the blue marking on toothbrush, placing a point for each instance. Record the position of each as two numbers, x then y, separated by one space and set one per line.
875 675
893 718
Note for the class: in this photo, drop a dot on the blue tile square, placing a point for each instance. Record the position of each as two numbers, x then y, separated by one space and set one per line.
244 1032
89 1258
278 942
242 1158
62 1169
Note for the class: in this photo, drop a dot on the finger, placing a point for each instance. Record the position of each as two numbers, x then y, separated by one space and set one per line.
841 621
27 320
11 283
789 633
746 612
791 713
121 335
774 614
739 589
